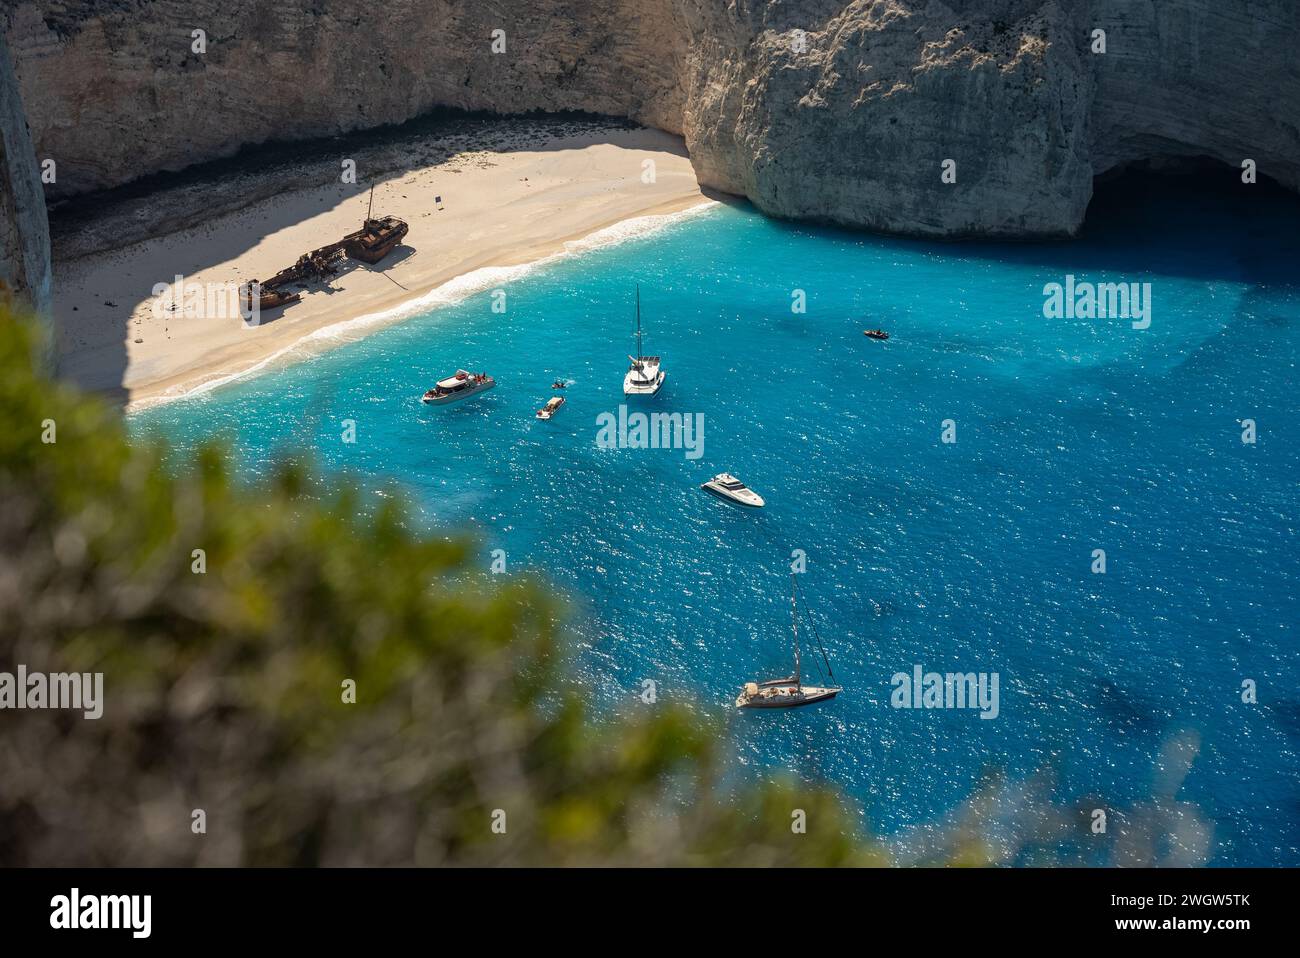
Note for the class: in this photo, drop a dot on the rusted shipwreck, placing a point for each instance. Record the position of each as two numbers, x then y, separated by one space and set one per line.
370 244
375 240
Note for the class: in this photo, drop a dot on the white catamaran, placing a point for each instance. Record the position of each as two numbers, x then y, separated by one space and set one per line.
644 377
789 692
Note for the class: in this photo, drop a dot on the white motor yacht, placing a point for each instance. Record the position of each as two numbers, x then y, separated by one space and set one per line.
458 387
726 486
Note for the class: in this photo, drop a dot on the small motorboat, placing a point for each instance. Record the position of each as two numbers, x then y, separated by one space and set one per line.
549 410
458 387
789 692
726 486
875 334
559 384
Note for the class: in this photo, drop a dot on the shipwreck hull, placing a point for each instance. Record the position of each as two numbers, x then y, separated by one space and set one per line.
276 299
370 244
376 239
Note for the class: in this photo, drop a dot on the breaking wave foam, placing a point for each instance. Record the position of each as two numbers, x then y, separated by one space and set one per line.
453 291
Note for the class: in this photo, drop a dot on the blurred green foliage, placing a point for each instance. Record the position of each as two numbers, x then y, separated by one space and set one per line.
224 689
224 692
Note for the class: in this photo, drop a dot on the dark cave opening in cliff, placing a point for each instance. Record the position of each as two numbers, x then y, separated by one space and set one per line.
1206 172
1190 183
1200 205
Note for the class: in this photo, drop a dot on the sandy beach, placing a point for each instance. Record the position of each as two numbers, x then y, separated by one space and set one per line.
499 208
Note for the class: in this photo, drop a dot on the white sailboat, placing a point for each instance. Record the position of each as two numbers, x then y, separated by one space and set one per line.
644 377
789 692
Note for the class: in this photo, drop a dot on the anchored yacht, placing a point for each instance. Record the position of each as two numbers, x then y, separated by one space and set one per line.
458 387
644 377
549 410
789 692
726 486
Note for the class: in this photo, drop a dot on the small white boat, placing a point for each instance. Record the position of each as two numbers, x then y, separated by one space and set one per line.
789 692
726 486
644 377
547 411
458 387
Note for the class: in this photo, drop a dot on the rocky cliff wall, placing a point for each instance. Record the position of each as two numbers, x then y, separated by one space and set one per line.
115 89
24 233
811 108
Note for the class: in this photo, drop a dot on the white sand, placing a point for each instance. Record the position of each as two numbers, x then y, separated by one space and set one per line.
499 209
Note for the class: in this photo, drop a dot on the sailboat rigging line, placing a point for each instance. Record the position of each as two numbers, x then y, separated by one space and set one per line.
813 625
772 541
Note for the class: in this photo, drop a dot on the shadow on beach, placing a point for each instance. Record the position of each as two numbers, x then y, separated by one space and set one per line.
251 183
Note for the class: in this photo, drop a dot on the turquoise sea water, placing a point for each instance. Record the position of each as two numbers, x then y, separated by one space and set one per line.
1072 435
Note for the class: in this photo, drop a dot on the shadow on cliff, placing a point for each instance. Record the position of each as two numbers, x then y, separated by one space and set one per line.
1205 221
1198 223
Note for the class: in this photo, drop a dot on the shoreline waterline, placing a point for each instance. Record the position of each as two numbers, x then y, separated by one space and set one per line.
135 325
314 342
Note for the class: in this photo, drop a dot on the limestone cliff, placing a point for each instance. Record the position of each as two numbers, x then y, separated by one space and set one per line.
843 111
24 236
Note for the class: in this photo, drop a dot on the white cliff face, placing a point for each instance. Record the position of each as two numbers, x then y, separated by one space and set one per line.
849 121
898 119
115 91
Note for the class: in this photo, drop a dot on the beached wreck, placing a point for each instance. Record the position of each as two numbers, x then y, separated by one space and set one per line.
376 239
370 244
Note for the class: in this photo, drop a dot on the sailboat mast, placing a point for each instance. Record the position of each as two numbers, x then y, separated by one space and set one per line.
370 209
794 623
639 351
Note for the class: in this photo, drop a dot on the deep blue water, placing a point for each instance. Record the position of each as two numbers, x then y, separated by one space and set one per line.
1072 435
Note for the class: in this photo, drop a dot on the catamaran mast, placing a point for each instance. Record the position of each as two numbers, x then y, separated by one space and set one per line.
794 621
639 351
